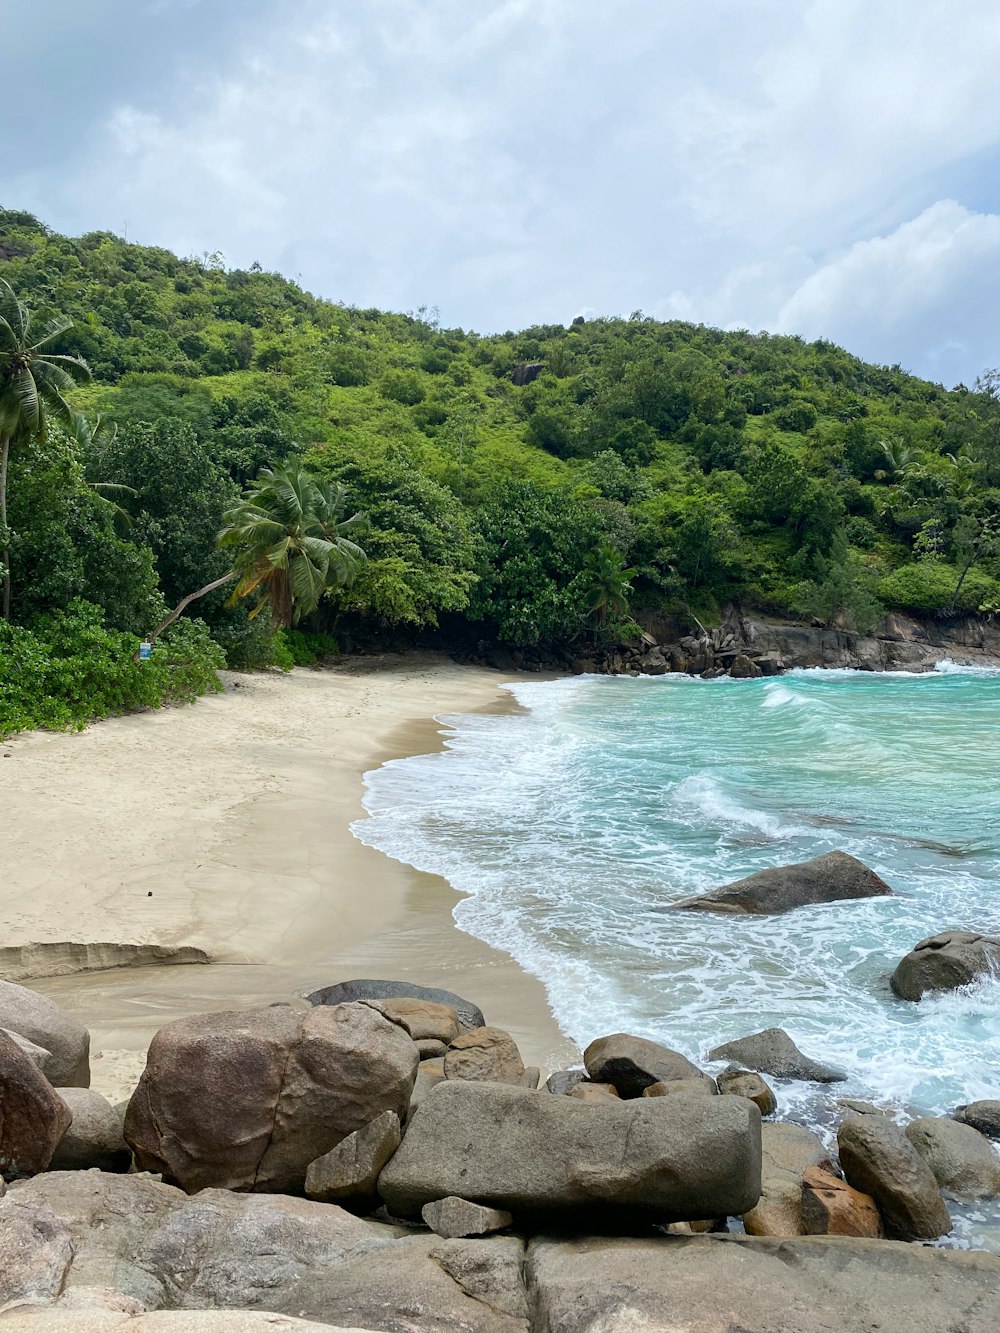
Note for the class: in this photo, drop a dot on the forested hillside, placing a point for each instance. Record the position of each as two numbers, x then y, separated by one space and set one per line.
531 488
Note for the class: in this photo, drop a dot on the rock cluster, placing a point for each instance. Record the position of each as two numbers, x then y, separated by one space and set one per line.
507 1192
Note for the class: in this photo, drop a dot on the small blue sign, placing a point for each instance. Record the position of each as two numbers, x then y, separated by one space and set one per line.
145 652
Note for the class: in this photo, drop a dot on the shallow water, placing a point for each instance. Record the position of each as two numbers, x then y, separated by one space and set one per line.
572 825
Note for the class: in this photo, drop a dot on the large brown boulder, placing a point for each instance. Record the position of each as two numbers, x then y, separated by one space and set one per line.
745 1083
349 1172
825 879
946 961
41 1020
246 1100
787 1152
831 1207
423 1020
484 1054
773 1052
878 1159
33 1117
672 1158
632 1064
962 1160
344 992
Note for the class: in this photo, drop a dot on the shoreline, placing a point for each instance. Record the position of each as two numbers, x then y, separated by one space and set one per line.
224 826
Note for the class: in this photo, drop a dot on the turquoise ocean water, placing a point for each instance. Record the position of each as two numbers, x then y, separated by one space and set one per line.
569 826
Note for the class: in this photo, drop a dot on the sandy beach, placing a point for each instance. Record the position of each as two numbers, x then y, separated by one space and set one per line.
224 828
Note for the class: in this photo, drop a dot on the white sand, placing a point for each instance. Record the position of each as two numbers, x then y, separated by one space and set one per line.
225 826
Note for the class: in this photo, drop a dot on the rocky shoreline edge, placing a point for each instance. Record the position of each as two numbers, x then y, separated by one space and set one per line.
381 1159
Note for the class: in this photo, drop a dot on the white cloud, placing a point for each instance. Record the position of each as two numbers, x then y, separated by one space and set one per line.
515 161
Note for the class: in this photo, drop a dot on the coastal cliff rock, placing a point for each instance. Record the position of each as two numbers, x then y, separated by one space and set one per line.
962 1160
878 1159
343 992
675 1158
632 1064
834 877
773 1052
33 1117
946 961
246 1100
42 1021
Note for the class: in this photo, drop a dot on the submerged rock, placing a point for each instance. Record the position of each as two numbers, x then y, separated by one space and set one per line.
834 877
246 1100
674 1158
946 961
773 1052
633 1063
343 992
878 1159
41 1020
962 1159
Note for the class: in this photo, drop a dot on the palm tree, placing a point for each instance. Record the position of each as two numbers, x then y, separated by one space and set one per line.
88 435
290 545
608 584
33 385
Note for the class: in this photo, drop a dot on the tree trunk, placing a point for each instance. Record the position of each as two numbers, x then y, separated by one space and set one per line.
186 601
958 585
5 553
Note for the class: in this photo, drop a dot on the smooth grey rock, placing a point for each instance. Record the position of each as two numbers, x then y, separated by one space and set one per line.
962 1160
773 1052
152 1244
673 1158
350 1171
564 1080
33 1117
741 1284
247 1099
834 877
469 1014
857 1106
944 962
745 1083
982 1115
38 1055
43 1022
878 1159
454 1217
633 1063
96 1136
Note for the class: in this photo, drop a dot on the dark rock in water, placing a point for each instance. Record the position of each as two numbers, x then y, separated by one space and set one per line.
33 1117
946 961
739 1284
826 879
773 1052
633 1063
983 1115
744 668
343 992
670 1159
246 1100
878 1159
962 1159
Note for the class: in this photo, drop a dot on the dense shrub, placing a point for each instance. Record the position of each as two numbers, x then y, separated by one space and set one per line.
929 586
298 647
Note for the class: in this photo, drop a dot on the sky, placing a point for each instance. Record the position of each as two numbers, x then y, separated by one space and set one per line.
830 169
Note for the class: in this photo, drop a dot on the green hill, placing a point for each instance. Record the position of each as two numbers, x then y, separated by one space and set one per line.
522 487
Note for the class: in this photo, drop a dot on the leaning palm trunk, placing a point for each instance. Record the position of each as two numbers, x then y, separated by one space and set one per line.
186 601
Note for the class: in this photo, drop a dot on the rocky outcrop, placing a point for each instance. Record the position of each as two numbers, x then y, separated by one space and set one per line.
484 1055
878 1159
736 1284
787 1152
831 1207
962 1160
673 1158
834 877
343 992
42 1021
773 1052
95 1138
246 1100
983 1115
33 1117
631 1064
944 962
349 1172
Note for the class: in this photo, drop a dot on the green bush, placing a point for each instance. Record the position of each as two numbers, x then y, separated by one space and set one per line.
69 669
298 647
929 585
